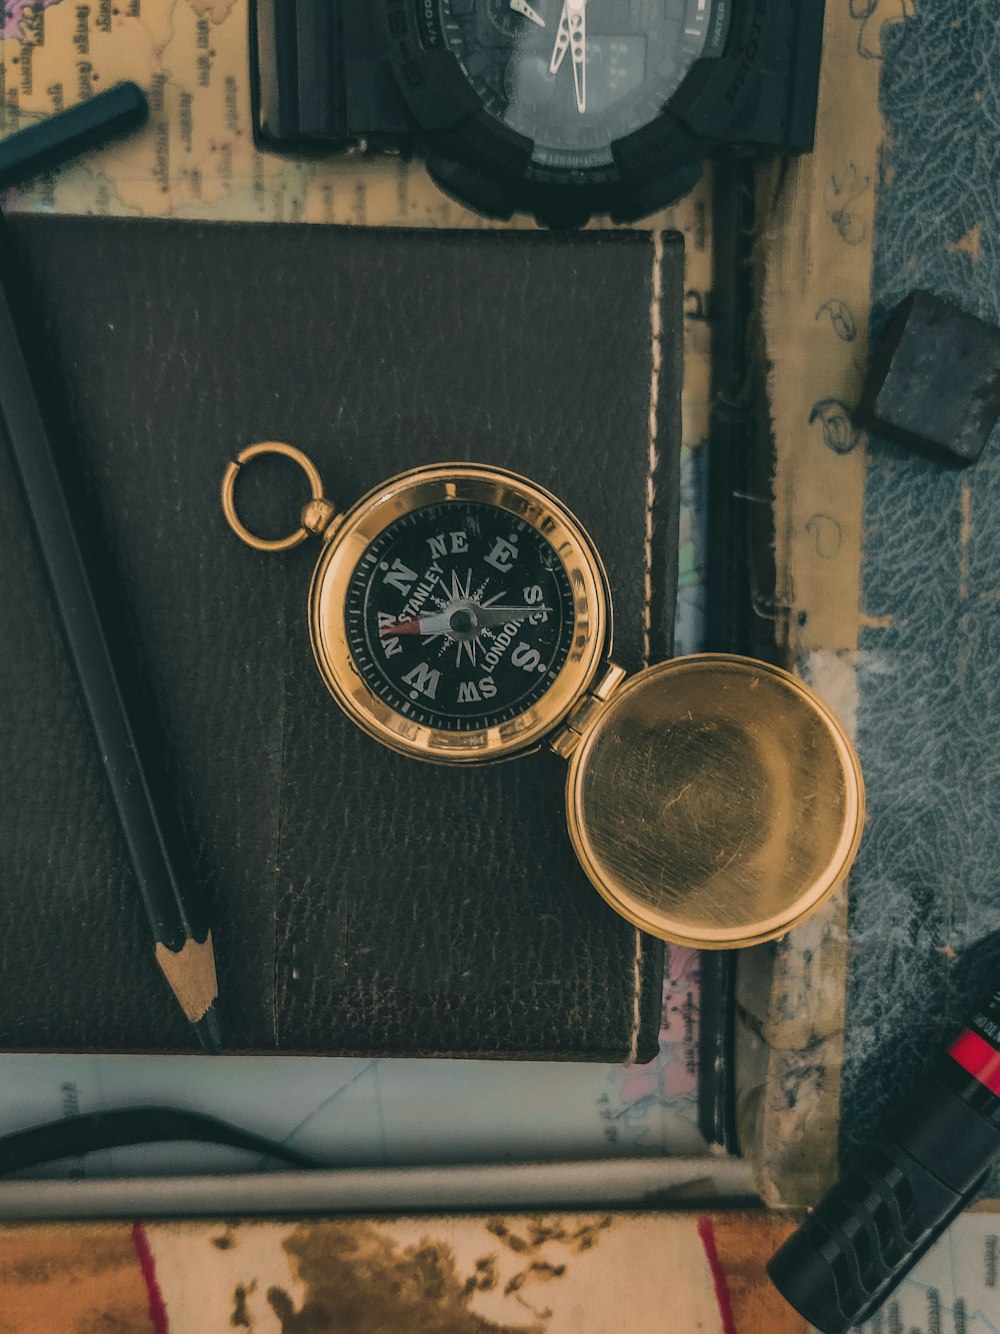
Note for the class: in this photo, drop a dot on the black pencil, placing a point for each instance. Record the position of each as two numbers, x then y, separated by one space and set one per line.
158 849
41 147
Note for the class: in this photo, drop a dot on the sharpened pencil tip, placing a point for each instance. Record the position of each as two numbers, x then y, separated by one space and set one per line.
208 1032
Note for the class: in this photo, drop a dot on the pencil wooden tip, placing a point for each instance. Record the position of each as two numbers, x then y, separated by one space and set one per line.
191 974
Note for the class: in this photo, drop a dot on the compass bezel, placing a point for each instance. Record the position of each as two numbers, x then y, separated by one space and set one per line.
418 489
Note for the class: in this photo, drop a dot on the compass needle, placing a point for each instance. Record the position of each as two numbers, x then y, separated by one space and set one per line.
460 617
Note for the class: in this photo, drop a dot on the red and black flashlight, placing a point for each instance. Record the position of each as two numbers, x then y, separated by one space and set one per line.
926 1163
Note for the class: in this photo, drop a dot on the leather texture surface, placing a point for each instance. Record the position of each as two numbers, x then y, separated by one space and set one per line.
925 911
362 902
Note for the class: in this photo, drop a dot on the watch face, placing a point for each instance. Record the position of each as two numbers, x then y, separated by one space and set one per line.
574 76
459 616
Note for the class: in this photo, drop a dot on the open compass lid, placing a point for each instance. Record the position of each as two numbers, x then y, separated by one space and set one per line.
715 801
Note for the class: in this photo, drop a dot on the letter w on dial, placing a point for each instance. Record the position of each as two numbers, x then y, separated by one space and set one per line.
571 35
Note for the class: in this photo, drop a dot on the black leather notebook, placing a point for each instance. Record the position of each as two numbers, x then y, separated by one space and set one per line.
362 902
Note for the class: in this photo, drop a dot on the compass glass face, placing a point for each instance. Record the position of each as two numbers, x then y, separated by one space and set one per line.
574 76
459 616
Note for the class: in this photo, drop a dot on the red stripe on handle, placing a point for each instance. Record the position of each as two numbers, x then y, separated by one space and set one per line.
980 1059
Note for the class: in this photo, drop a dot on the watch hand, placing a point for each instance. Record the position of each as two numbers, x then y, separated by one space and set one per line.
522 7
572 32
578 41
562 40
478 618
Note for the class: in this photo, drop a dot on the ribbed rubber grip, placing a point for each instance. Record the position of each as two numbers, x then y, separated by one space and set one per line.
886 1211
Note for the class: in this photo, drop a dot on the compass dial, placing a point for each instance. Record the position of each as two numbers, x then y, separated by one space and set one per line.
458 613
459 616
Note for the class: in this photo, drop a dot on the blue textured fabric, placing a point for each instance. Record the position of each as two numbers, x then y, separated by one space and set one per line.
925 909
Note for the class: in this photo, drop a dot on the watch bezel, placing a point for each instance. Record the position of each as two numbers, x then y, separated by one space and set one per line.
417 489
453 123
731 95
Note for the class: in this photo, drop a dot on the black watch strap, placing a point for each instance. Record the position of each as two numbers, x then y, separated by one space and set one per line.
317 80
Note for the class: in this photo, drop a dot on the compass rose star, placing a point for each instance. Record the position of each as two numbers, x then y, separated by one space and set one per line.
469 648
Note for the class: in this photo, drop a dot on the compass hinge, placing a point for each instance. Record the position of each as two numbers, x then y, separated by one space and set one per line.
586 712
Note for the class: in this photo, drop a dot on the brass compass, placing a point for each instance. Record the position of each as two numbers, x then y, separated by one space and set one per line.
462 615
